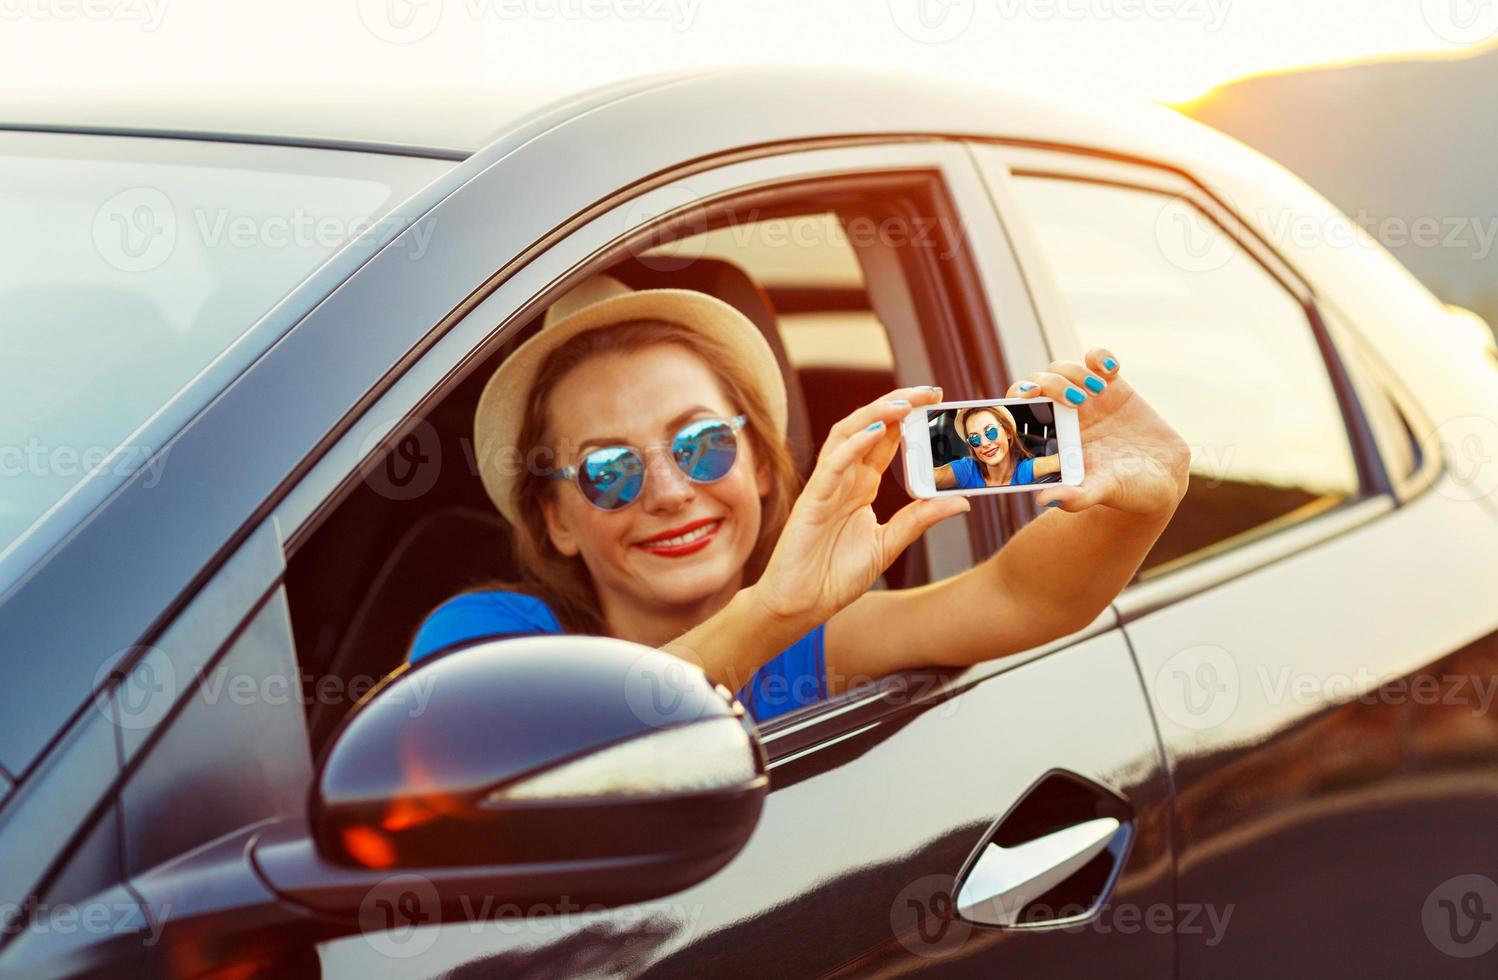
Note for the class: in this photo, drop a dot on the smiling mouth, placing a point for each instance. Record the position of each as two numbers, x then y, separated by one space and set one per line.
697 535
990 453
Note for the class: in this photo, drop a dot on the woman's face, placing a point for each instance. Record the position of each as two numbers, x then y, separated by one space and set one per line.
642 399
989 452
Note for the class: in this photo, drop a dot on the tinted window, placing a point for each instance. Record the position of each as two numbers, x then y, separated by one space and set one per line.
1215 343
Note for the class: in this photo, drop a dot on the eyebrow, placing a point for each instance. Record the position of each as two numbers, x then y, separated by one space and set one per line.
680 419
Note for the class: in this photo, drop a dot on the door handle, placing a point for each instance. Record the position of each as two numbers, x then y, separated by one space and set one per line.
1005 879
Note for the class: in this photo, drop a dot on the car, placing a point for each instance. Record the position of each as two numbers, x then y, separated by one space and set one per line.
244 342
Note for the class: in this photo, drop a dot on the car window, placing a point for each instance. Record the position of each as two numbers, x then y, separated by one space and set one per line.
394 549
130 264
1215 343
811 273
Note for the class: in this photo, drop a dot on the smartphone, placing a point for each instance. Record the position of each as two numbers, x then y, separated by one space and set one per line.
995 445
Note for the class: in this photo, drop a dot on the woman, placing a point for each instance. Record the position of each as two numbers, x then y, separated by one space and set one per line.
658 503
997 457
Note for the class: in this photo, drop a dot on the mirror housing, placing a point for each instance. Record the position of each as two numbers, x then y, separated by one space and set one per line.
538 766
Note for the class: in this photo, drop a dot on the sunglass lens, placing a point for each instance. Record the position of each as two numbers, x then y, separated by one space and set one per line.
611 478
992 432
975 440
705 450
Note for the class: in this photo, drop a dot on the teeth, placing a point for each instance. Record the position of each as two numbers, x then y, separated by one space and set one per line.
683 538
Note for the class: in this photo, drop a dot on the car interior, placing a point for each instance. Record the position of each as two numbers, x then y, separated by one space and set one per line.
361 584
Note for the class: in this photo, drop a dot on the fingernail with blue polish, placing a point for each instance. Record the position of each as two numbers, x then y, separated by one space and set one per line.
1026 386
1094 385
1053 503
876 425
1075 396
1109 363
900 403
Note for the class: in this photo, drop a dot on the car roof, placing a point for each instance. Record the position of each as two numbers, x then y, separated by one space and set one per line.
455 123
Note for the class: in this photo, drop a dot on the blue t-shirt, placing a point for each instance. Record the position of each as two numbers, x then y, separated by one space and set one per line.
970 477
795 677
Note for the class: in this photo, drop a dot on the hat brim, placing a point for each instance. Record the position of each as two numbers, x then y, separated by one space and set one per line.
501 407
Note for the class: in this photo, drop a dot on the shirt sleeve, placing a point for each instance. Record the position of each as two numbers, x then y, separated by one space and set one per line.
476 615
796 677
966 471
1024 472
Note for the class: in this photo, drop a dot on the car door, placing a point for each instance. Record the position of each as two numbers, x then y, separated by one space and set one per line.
890 806
1311 629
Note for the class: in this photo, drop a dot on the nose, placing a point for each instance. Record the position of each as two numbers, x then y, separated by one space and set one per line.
667 488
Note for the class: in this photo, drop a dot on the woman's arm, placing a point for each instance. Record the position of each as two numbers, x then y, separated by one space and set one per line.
830 552
945 478
1045 465
1058 573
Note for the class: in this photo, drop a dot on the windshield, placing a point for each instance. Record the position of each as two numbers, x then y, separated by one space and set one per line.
128 264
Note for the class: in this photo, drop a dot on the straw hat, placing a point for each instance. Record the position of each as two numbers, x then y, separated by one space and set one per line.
599 302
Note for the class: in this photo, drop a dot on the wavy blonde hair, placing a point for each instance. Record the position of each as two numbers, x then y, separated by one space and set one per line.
563 581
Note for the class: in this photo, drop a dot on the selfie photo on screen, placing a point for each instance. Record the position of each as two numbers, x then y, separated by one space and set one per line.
994 446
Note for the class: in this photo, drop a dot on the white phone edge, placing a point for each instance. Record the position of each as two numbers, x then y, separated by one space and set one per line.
915 445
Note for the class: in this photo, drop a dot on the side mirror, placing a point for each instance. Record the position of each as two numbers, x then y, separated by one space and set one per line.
528 769
512 773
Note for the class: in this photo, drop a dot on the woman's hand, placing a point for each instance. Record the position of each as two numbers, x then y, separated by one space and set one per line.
1133 461
833 548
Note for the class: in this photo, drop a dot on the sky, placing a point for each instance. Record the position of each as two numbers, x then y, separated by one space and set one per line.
1163 50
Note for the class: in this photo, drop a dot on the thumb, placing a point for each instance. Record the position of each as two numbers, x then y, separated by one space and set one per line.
912 520
1067 498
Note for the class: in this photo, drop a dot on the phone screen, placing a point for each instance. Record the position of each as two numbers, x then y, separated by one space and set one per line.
994 445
